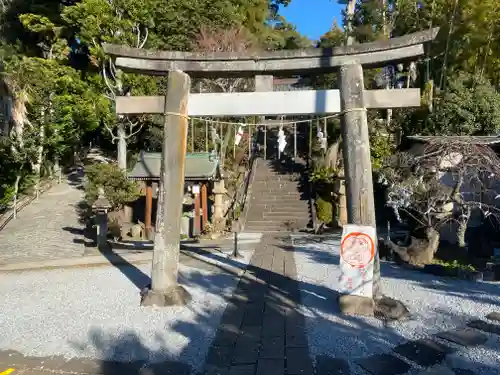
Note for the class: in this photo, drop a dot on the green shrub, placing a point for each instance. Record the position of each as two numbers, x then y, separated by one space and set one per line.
117 188
324 210
6 194
454 265
322 175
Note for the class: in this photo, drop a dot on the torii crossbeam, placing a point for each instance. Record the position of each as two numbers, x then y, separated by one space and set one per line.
282 63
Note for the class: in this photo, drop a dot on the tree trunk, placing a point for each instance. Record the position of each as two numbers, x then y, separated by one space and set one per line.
462 228
37 167
122 147
420 251
16 192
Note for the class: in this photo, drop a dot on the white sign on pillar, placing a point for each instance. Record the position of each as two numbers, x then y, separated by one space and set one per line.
357 252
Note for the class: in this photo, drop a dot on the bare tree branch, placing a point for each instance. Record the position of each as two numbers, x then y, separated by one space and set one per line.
111 87
235 40
113 137
140 43
131 134
416 184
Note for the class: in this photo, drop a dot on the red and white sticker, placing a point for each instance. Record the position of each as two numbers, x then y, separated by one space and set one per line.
357 249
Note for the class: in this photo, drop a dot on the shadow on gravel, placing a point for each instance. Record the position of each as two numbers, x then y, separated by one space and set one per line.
265 301
263 304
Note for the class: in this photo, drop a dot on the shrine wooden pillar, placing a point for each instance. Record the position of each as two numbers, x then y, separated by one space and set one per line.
204 205
197 211
149 208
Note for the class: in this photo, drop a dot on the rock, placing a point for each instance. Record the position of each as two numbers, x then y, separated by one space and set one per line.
495 315
389 309
470 275
136 231
440 270
488 275
174 296
356 305
496 270
420 251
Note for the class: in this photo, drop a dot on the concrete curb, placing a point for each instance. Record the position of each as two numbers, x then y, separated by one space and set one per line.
224 262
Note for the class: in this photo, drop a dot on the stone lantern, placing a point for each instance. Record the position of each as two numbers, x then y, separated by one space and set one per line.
219 192
100 207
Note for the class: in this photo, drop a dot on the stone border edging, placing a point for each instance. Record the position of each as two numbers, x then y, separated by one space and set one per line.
225 263
24 202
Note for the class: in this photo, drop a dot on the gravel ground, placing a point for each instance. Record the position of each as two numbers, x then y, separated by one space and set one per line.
436 304
95 313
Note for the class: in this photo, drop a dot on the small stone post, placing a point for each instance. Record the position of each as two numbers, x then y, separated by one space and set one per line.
235 227
219 191
197 210
358 172
341 197
165 290
101 207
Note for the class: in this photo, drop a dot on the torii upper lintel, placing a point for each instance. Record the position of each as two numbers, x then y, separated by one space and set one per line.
279 63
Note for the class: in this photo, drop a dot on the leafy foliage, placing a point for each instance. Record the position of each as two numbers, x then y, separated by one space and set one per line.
470 106
325 175
324 210
117 188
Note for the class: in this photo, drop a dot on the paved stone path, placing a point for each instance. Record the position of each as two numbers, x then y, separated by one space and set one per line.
261 331
47 228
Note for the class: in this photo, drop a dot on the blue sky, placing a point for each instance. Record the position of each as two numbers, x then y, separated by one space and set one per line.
313 17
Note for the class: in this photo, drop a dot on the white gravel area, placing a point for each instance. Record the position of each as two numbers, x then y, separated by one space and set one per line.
436 304
95 313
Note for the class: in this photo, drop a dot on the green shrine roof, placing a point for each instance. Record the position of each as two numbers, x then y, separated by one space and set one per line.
199 166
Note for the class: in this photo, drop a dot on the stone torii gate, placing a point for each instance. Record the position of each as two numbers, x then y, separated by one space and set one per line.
352 100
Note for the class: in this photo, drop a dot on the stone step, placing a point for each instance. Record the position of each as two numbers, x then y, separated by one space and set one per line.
288 195
282 203
277 184
277 224
282 206
288 210
272 215
269 229
277 190
278 220
275 181
284 215
264 195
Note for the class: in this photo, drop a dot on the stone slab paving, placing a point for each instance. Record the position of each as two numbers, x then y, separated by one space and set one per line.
262 330
437 370
485 326
47 228
424 352
464 337
386 364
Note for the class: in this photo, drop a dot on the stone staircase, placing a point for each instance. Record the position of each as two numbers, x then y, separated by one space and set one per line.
279 197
